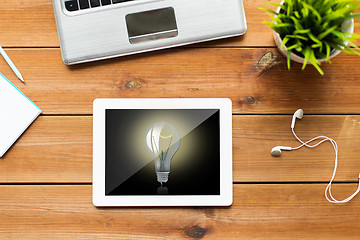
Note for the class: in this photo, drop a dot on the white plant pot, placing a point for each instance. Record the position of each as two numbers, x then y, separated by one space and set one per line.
296 58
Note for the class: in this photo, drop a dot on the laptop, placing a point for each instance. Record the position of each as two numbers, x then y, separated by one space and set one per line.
92 30
162 152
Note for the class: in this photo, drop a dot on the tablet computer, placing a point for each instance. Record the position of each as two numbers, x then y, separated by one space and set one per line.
162 152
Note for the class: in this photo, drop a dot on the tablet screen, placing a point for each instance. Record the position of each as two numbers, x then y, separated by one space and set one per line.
162 152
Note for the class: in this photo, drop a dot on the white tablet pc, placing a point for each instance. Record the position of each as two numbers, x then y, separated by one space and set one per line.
162 152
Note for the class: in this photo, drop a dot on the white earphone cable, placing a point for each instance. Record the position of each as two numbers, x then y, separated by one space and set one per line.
328 194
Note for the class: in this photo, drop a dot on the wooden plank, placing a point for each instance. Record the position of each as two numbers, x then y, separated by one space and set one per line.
255 136
258 212
239 74
28 23
48 153
53 149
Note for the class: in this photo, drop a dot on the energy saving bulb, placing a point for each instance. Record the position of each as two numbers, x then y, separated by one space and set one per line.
163 141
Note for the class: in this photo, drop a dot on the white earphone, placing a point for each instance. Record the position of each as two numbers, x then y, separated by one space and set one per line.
276 152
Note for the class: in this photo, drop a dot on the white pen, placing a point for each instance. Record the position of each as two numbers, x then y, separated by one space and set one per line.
11 64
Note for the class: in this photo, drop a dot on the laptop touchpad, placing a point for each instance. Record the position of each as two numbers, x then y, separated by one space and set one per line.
151 25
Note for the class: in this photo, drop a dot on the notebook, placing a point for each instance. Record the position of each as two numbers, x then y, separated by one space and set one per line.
17 112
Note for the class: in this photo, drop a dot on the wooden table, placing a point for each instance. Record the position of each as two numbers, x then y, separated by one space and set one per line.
45 190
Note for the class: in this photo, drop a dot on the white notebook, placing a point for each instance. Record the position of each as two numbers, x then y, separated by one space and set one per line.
17 112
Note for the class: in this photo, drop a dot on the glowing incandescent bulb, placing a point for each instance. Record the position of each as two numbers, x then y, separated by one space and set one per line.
163 141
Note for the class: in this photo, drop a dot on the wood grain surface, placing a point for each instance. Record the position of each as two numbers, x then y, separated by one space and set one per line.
271 211
45 178
243 75
48 153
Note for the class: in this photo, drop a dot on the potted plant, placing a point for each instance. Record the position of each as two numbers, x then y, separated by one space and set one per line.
314 31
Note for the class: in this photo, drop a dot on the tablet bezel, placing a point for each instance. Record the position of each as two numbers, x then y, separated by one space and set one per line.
226 192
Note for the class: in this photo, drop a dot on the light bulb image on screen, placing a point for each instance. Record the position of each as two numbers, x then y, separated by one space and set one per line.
163 140
162 152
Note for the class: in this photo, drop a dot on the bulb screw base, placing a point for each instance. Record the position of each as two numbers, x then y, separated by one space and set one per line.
162 177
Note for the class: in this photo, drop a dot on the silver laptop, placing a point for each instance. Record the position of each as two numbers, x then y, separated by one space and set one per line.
91 30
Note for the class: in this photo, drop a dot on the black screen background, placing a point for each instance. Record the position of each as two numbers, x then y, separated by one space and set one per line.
200 177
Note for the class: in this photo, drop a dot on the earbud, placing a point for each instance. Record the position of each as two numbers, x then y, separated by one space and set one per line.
276 151
298 114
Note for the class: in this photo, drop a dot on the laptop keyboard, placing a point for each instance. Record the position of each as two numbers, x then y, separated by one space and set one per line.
75 5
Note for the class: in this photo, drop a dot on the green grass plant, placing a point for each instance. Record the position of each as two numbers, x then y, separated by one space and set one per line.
313 28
